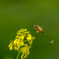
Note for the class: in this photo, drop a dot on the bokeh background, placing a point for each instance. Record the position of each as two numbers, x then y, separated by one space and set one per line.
17 14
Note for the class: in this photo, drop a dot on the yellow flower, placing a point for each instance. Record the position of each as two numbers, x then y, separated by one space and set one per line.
22 43
11 46
16 41
29 37
24 51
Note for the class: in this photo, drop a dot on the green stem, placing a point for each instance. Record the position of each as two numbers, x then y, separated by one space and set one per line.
18 55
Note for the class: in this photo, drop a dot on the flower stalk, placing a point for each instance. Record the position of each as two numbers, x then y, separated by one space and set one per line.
18 55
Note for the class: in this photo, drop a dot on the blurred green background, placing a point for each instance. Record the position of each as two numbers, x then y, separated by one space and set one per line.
17 14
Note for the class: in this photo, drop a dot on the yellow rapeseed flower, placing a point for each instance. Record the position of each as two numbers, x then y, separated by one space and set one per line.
16 41
11 46
20 43
24 51
29 37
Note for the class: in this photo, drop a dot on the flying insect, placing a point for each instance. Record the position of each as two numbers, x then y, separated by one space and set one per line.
51 42
38 28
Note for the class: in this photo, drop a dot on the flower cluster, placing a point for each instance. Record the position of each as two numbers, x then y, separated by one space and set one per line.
22 43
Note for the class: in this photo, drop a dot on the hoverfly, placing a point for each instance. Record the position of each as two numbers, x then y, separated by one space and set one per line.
38 28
